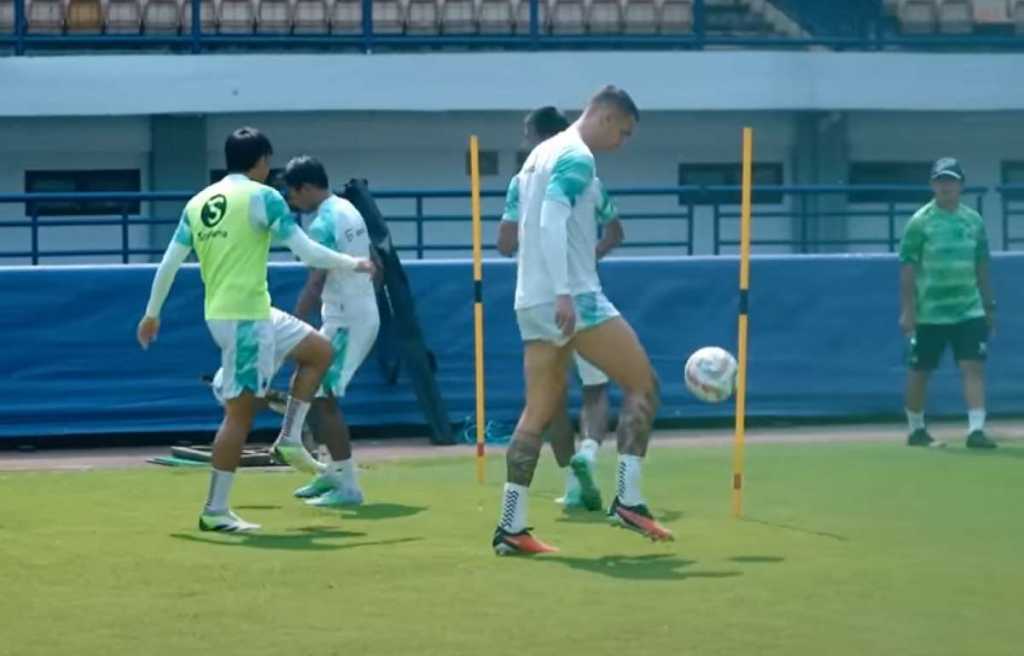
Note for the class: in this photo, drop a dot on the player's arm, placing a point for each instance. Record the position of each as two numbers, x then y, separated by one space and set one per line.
911 249
309 297
982 257
175 255
611 239
571 177
608 217
508 228
273 212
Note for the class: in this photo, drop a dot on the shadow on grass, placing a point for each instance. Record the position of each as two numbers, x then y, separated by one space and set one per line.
1003 451
581 516
651 567
797 529
308 538
382 511
757 559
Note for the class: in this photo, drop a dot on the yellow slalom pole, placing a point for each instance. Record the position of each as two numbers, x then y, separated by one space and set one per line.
478 305
741 376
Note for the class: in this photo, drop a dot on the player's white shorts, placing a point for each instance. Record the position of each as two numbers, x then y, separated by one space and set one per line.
537 323
351 345
251 350
590 376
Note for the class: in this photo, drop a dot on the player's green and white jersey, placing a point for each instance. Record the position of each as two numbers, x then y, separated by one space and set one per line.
560 170
606 210
945 249
347 295
230 225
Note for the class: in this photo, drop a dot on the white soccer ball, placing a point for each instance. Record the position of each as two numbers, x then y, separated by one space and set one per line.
710 374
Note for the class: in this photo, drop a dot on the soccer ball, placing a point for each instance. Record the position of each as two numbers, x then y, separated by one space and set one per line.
710 374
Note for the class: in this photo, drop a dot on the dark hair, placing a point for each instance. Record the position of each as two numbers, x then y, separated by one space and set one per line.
244 147
617 98
547 121
305 170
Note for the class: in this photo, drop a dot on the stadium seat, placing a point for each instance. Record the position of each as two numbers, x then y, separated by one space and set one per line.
568 17
6 16
496 17
523 16
956 17
207 16
422 17
676 17
123 17
274 17
640 17
992 12
236 17
917 16
458 16
346 17
388 17
84 17
604 17
311 17
161 17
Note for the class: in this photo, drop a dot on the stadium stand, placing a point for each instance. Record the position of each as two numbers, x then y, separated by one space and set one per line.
709 23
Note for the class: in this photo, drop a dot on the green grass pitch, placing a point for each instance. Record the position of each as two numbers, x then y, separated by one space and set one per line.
845 549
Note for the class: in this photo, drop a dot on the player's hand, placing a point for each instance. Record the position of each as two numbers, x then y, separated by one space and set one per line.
990 319
147 331
565 315
366 265
908 323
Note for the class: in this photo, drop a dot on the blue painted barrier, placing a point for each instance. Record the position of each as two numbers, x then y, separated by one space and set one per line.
823 342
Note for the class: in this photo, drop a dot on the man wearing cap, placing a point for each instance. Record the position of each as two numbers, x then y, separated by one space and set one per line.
946 298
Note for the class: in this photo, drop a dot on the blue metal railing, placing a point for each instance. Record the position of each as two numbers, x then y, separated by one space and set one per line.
419 217
799 219
851 25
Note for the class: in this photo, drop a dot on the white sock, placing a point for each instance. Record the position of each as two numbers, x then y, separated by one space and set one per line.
589 447
345 471
294 419
916 420
513 508
628 480
220 489
976 420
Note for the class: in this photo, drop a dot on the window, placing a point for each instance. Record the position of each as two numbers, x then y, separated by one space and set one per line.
889 173
116 180
1013 173
706 175
488 163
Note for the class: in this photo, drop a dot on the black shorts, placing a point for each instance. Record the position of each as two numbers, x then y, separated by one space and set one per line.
968 338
